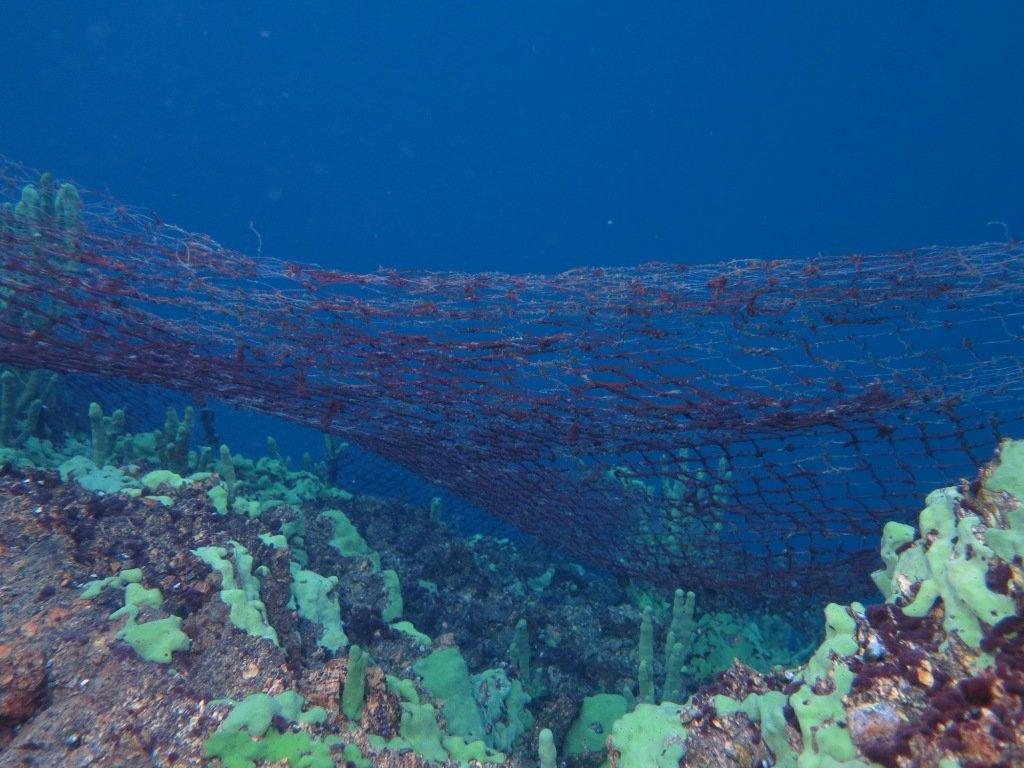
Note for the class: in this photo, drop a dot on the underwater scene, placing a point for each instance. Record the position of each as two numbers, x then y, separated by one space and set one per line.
542 385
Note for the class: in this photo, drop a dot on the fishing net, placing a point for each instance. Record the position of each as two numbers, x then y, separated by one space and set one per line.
740 428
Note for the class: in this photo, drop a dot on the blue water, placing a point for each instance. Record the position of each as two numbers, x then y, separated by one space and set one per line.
531 135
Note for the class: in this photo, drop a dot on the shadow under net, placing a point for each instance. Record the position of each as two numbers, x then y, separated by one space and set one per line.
742 429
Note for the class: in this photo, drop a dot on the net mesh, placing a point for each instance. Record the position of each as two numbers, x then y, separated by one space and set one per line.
742 428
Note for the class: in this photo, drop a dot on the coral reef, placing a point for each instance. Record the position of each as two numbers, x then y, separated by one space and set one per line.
170 606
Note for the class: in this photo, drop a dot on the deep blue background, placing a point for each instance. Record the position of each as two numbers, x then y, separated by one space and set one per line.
531 135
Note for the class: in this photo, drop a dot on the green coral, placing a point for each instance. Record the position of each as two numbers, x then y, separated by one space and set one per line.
502 704
172 443
93 588
240 588
328 470
446 678
226 467
346 538
420 732
767 709
159 478
256 712
67 208
256 486
596 717
1006 474
680 635
547 754
817 703
218 496
894 537
106 480
354 692
487 707
136 595
354 757
152 640
245 737
821 716
105 432
22 398
651 736
393 605
407 628
316 598
955 549
761 641
697 649
467 752
29 211
46 210
299 750
155 640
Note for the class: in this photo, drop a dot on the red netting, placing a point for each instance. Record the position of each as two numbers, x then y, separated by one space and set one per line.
743 427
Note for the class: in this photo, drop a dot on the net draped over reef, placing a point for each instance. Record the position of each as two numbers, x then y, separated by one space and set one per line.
742 428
